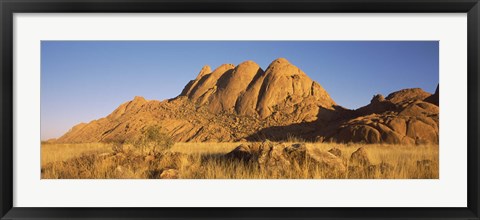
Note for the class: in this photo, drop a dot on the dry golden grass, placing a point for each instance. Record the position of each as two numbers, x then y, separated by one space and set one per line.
63 152
204 148
204 161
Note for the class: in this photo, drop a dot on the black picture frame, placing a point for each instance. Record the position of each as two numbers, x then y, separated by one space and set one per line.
9 7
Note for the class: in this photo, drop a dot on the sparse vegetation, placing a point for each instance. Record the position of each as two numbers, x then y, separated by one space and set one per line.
206 161
63 152
153 140
393 137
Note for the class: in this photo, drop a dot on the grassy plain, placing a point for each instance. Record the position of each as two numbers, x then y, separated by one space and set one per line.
205 161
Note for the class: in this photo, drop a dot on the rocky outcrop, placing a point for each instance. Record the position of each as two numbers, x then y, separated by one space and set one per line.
277 157
248 90
244 102
402 118
335 151
361 167
360 158
407 95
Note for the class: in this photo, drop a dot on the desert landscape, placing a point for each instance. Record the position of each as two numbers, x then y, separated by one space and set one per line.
245 122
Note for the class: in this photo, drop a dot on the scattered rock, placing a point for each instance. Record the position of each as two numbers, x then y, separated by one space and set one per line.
328 161
297 152
243 152
335 151
169 174
278 156
360 158
272 156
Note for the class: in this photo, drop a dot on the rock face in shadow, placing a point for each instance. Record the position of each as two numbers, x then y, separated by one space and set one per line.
402 118
435 98
245 102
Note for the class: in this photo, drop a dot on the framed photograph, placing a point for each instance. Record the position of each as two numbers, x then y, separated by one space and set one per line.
264 109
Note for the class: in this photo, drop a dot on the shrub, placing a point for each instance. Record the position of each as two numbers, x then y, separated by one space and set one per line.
153 140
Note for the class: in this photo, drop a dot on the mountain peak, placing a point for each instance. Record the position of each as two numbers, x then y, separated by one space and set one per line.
248 63
279 63
204 71
224 67
246 89
139 99
281 60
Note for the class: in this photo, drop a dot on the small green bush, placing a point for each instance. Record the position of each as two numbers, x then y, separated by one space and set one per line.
153 140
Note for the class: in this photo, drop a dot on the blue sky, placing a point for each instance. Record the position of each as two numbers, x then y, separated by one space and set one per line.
86 80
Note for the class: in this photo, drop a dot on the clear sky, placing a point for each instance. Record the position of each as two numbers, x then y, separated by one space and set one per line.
86 80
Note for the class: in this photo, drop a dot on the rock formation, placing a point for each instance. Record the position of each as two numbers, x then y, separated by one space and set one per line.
248 90
244 102
404 117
